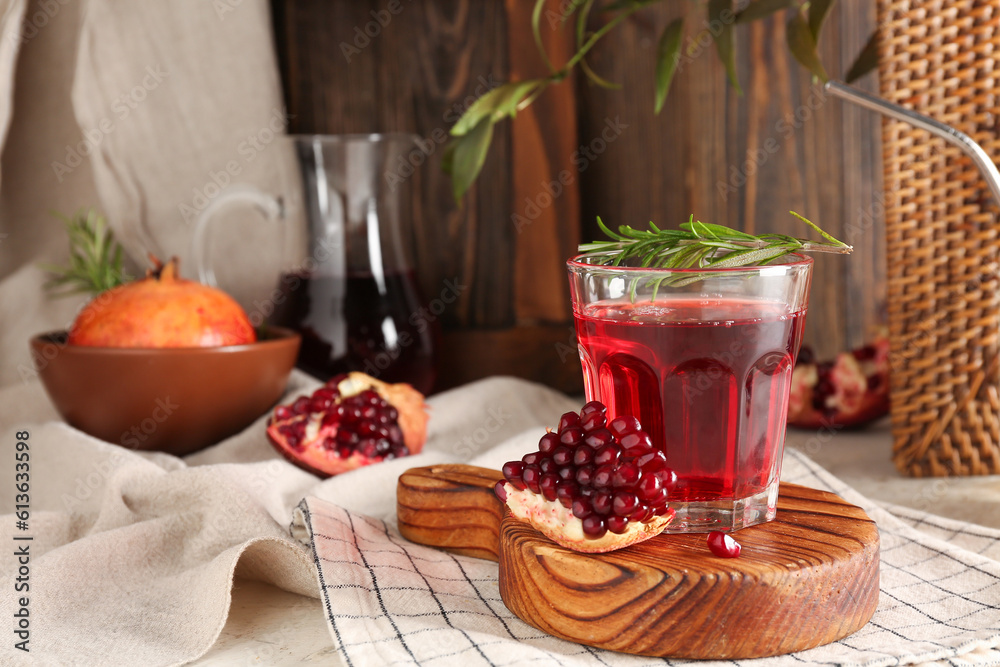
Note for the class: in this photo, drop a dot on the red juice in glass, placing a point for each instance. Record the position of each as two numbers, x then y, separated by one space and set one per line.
707 372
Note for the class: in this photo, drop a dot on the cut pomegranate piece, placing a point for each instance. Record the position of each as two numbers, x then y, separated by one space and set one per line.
851 391
353 420
723 545
591 486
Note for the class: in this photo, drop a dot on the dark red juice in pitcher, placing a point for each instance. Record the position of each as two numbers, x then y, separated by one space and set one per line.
707 377
360 322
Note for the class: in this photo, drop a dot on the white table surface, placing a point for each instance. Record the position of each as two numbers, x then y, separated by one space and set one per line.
268 626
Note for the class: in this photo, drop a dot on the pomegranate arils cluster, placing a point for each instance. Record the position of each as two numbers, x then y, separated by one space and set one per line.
608 476
365 423
352 421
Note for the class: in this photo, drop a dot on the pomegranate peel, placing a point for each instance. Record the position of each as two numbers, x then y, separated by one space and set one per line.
853 390
351 421
592 486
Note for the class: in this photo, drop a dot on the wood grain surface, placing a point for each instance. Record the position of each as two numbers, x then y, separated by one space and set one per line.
743 160
806 579
451 507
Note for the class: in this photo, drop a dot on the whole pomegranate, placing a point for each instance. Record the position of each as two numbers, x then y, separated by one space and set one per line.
852 390
162 310
351 421
591 486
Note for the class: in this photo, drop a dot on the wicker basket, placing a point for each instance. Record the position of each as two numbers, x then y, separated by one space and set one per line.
938 57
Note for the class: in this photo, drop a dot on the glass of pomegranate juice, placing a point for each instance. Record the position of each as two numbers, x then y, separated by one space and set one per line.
703 358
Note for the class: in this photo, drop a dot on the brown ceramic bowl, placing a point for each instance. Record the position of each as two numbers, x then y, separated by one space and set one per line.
175 400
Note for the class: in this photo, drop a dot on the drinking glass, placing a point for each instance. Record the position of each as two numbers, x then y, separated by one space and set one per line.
703 358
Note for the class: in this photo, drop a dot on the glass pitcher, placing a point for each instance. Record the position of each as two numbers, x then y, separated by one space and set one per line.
346 283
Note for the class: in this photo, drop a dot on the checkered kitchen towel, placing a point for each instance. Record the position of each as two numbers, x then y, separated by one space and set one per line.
392 602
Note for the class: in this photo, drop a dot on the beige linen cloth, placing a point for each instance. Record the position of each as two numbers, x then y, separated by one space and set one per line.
133 554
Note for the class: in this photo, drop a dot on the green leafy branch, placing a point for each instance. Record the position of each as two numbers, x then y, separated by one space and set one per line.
473 133
95 262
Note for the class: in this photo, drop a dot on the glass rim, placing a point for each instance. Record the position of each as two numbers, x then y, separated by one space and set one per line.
577 264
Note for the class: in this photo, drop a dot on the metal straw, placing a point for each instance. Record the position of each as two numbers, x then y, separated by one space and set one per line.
963 141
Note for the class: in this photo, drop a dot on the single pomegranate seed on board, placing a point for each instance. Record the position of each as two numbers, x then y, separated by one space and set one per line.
723 545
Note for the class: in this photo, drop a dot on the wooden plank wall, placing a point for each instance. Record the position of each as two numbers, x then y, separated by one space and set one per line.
743 160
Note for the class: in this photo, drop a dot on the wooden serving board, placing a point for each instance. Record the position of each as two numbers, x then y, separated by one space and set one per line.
806 579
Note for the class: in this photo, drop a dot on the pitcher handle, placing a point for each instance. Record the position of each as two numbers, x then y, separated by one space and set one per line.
270 206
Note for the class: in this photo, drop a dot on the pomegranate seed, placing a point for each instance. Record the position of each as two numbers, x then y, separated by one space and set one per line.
599 438
641 513
512 470
602 476
548 443
500 491
623 425
593 526
637 440
531 458
368 447
616 524
547 465
652 461
567 473
624 503
547 484
593 421
592 407
723 545
582 507
563 455
282 412
585 475
301 405
571 436
602 503
531 477
567 420
566 492
650 487
626 474
583 455
606 455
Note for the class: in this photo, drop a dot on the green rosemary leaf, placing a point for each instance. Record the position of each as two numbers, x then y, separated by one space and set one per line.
725 232
818 230
95 258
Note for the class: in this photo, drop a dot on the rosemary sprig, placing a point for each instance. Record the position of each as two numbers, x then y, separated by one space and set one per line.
697 245
701 245
95 262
